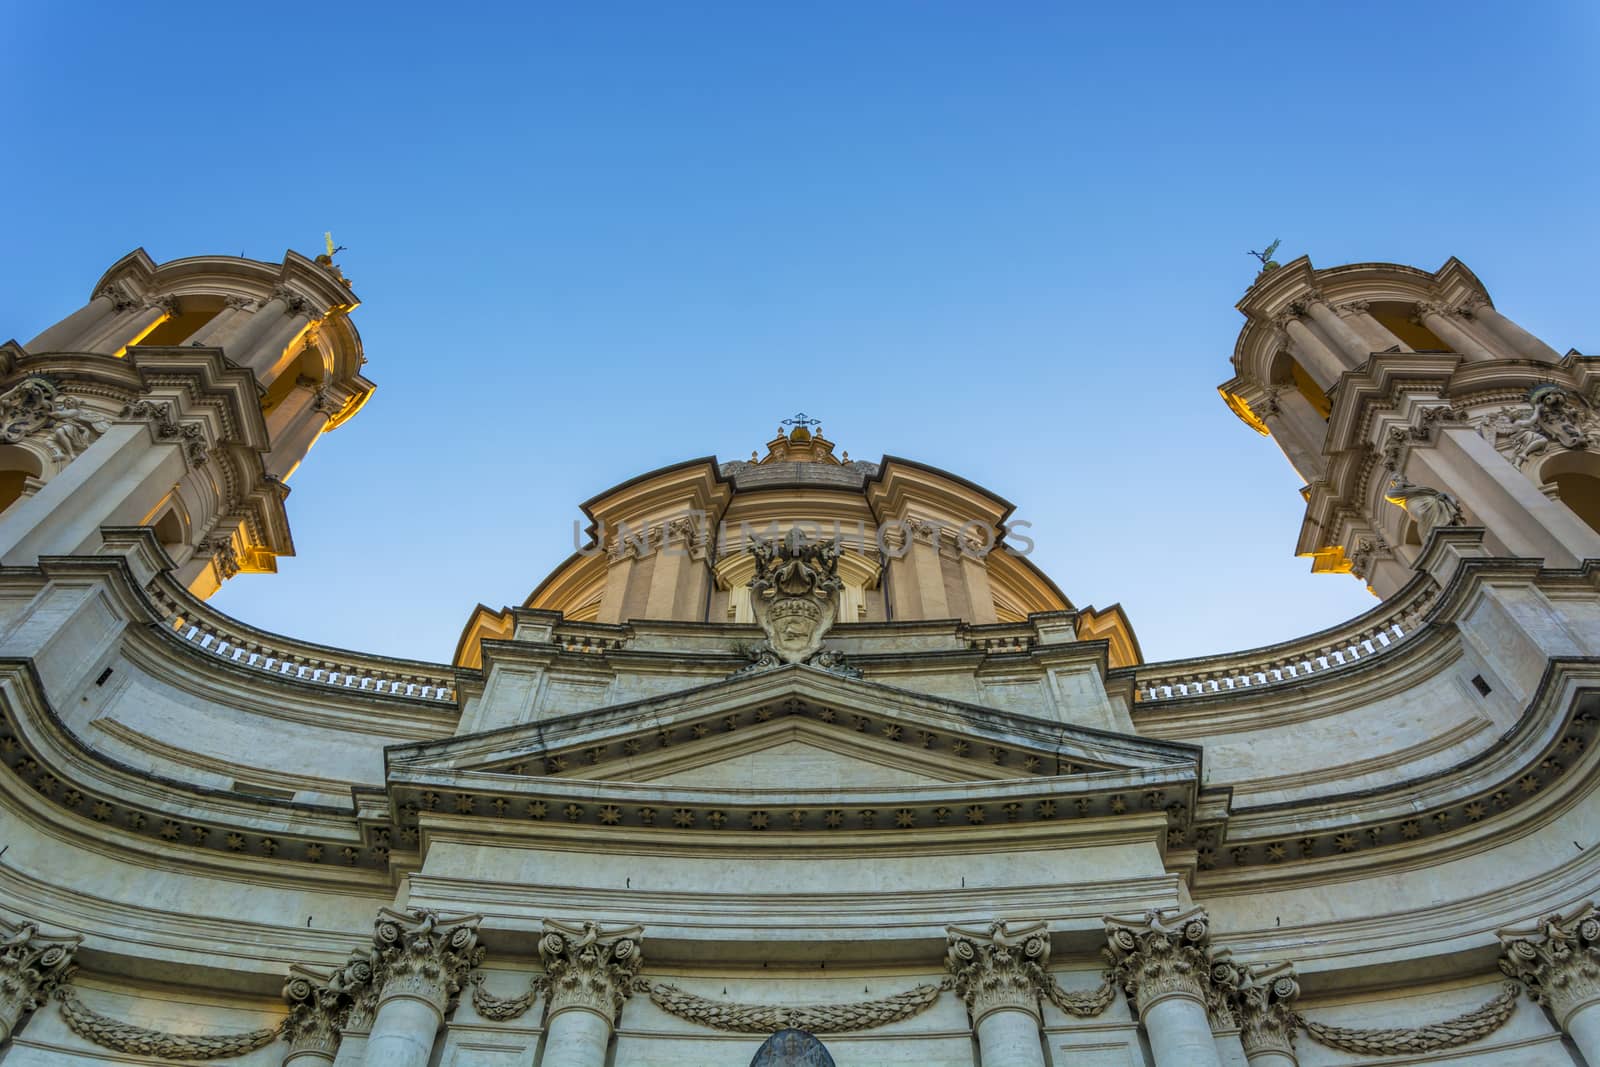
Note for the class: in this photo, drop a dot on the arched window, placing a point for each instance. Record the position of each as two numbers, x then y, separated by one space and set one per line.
17 465
1576 478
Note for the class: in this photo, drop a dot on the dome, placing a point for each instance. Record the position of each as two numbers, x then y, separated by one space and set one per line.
917 545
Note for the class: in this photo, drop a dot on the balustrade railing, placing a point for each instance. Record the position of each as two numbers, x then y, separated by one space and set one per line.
229 639
1385 627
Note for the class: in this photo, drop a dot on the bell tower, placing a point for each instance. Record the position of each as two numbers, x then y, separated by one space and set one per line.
179 398
1408 403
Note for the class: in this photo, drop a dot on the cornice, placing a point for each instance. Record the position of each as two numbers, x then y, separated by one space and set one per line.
1498 792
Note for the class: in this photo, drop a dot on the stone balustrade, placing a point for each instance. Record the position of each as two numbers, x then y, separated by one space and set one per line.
1380 630
228 639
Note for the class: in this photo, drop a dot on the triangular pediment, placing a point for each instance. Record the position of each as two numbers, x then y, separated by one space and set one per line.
788 752
793 751
823 726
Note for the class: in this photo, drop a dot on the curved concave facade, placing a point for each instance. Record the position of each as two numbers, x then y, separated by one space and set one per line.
798 759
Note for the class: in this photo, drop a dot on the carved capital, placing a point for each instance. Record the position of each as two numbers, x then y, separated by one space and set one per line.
1424 308
165 303
120 301
222 554
165 425
590 967
1263 997
318 1005
1557 960
424 956
999 968
293 302
243 303
327 403
31 968
1161 956
1354 307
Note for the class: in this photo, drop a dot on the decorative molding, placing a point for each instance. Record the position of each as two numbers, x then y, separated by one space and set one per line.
36 407
1554 419
1557 960
165 425
1161 956
119 1036
766 1018
999 967
222 554
503 1009
31 968
795 598
120 301
1085 1005
1450 1033
589 966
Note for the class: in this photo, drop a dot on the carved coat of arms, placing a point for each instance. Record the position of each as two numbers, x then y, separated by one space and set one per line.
794 596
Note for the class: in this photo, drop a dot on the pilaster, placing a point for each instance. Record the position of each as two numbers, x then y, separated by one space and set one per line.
31 967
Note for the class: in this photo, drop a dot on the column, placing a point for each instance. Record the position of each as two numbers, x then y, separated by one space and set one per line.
1320 362
1558 962
1264 1005
69 510
316 1011
590 972
1505 501
260 343
1162 963
1355 347
1298 430
65 335
1521 341
1379 336
1451 333
294 426
31 967
999 972
129 329
233 316
422 962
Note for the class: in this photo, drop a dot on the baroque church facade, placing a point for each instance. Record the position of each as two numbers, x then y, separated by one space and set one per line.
799 760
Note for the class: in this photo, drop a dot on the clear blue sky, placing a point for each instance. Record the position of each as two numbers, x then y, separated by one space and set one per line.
1002 239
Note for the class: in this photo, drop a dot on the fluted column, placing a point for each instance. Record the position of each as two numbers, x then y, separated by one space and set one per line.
261 342
1320 362
66 335
1558 963
1359 315
237 311
294 426
1521 341
1163 966
1446 329
130 326
31 966
1355 347
590 972
999 972
422 961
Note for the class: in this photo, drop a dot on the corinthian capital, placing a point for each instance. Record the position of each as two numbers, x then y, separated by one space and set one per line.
1557 960
590 966
423 955
1263 1003
318 1007
31 967
1160 956
999 967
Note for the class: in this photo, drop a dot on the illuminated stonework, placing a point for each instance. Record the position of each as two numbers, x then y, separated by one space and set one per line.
800 745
